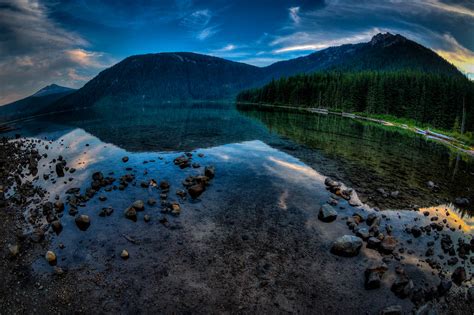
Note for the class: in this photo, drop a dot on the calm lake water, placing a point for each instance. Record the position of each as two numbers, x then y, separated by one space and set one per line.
365 156
270 170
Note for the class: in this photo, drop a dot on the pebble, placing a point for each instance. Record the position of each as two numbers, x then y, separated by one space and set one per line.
124 254
51 257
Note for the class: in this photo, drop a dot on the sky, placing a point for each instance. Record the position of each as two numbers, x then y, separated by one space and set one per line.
69 42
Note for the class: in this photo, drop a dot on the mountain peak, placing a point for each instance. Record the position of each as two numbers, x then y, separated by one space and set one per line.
52 89
387 39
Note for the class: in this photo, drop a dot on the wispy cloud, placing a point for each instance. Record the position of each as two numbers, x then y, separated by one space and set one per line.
34 52
451 8
199 23
293 11
303 41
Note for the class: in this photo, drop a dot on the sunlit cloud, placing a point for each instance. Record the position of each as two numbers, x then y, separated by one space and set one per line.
458 55
448 7
303 41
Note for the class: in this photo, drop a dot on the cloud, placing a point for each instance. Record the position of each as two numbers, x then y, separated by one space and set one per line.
35 52
303 41
458 55
198 22
207 32
228 47
293 11
450 8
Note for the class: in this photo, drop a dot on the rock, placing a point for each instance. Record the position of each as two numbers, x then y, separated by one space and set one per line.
444 286
14 250
196 190
392 310
388 244
57 226
151 202
402 286
131 214
98 176
102 198
139 205
124 254
51 257
83 222
175 209
371 218
462 202
210 171
164 185
430 184
59 206
373 243
331 183
125 159
470 294
60 169
373 275
347 246
372 280
416 231
327 213
182 161
106 212
459 275
146 218
363 233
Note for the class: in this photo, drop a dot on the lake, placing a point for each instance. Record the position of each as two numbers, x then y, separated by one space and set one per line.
253 237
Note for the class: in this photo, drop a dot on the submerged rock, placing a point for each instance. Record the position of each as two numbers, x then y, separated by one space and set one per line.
347 246
131 214
124 254
83 222
139 205
196 190
327 213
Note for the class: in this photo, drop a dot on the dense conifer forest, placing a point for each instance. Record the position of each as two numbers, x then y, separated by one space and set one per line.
438 100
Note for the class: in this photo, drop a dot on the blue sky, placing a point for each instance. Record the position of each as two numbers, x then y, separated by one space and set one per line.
69 42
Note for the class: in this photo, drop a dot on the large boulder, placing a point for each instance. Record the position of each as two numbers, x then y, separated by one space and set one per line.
347 246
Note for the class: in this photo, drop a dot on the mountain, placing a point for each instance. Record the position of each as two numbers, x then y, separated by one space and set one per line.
385 52
34 104
184 76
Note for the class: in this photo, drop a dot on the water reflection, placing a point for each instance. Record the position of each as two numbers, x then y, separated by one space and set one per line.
369 157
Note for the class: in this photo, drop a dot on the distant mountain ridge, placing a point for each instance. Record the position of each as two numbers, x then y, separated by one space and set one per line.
184 76
52 89
37 103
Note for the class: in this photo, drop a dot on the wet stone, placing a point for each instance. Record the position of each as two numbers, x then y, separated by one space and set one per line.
83 222
131 214
327 213
347 246
139 205
459 275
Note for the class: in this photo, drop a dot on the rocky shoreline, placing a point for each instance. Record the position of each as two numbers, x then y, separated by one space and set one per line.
31 217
